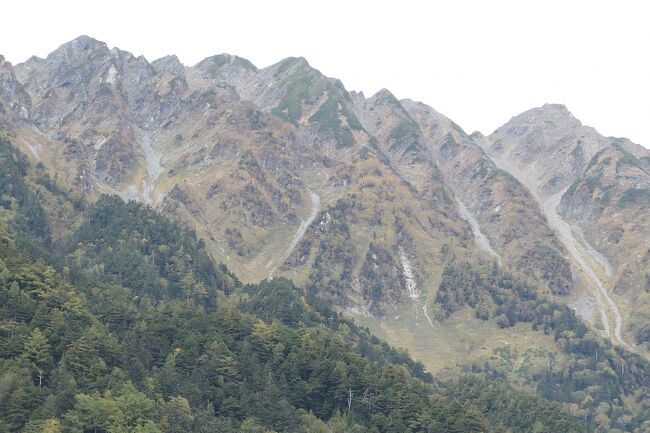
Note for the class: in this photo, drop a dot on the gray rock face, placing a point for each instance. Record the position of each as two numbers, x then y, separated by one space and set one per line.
169 65
549 143
15 103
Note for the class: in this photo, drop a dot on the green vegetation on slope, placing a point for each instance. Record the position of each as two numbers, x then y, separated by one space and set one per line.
26 214
108 360
131 245
637 196
607 385
327 117
505 406
303 87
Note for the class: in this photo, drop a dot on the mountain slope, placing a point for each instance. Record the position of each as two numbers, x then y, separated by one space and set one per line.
609 204
570 168
258 160
373 204
80 353
501 206
239 153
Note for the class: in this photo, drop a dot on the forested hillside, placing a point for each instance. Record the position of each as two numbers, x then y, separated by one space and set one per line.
124 324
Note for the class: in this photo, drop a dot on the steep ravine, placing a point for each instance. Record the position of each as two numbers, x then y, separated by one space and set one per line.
154 170
481 240
581 252
412 288
300 232
577 247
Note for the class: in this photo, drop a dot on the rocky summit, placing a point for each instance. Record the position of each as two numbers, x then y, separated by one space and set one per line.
523 254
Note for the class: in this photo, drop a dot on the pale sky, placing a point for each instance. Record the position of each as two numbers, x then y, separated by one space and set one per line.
478 62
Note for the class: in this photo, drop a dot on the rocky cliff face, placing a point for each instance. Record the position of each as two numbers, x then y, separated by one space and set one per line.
550 143
15 104
284 172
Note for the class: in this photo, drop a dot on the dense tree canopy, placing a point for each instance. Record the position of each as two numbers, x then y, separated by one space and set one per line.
106 359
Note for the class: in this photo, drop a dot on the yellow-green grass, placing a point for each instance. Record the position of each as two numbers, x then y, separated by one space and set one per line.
460 340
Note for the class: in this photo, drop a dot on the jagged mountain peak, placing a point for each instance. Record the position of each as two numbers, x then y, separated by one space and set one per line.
218 61
384 93
386 97
554 107
15 103
78 47
551 139
6 70
546 117
83 41
557 111
477 135
298 69
169 64
291 69
84 51
82 61
291 62
553 128
236 73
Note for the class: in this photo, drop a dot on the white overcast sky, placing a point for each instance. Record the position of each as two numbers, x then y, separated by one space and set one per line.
478 62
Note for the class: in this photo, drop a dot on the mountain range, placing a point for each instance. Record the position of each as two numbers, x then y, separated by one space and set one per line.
382 207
